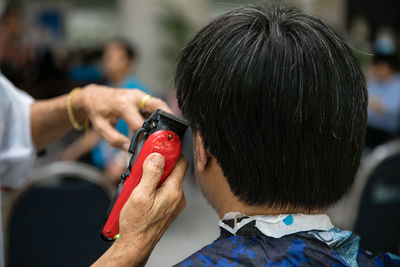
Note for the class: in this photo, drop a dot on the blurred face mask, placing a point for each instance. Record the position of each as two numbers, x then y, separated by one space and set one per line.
385 45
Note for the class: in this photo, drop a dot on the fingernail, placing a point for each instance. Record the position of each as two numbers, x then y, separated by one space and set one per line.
125 146
158 161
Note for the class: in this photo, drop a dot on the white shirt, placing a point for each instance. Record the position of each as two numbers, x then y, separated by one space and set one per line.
17 151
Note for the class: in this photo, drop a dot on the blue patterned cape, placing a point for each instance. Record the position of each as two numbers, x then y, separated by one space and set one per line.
250 247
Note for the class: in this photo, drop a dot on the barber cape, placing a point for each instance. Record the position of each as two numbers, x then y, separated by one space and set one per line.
285 240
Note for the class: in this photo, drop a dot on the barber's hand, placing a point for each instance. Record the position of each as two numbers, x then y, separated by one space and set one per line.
147 213
105 105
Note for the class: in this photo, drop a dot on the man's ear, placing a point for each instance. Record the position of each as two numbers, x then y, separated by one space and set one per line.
202 154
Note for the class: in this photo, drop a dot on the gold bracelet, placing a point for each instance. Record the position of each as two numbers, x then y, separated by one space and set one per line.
74 123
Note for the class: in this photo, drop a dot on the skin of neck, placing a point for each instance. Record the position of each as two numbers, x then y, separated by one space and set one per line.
215 187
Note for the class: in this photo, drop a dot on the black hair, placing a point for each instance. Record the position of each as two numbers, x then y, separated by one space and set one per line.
280 101
129 48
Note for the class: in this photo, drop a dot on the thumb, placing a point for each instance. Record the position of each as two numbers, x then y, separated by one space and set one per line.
153 168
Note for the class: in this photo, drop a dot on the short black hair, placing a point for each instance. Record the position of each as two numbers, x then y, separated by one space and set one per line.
280 101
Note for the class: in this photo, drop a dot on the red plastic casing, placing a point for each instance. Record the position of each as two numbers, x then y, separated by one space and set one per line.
165 142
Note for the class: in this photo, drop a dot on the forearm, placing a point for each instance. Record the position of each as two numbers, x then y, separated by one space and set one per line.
81 146
49 118
124 254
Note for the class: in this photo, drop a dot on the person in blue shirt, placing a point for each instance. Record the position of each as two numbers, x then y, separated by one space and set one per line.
118 62
384 101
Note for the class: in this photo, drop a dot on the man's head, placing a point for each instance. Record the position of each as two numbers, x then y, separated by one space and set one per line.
384 66
276 98
118 59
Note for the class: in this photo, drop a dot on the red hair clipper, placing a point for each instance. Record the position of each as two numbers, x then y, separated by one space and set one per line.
162 132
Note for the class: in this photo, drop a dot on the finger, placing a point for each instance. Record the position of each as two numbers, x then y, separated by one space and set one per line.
151 104
175 209
110 134
132 118
181 204
175 180
154 103
153 168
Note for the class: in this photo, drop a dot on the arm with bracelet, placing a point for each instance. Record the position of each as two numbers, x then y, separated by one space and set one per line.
100 105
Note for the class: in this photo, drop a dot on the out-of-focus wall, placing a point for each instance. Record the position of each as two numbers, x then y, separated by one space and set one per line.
332 11
85 25
141 23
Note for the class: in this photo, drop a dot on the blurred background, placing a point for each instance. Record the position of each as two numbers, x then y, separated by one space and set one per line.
48 47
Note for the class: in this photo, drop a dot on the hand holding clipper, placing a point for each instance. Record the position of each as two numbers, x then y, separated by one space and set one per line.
162 133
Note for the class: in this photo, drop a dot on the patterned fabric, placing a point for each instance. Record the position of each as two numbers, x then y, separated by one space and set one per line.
277 225
250 247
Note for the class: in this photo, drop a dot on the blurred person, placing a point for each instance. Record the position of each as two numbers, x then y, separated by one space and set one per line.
28 66
118 61
385 42
278 108
83 67
47 75
33 69
28 126
14 54
384 101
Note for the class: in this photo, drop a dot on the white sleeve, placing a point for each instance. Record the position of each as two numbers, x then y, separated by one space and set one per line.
17 151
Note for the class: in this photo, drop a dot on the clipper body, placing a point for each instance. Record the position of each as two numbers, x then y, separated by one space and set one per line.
161 133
